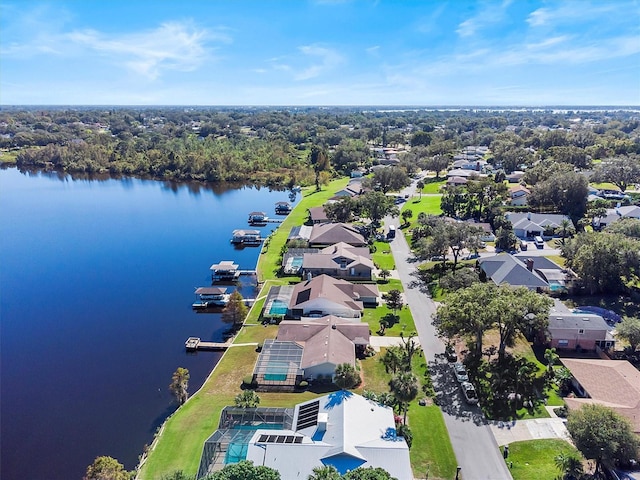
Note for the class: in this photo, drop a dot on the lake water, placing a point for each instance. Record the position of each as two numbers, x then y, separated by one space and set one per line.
96 286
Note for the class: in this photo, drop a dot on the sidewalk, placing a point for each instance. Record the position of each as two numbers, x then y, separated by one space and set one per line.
534 429
377 342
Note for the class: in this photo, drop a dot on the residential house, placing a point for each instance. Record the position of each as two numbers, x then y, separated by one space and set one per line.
529 225
612 383
457 181
468 174
317 215
521 272
325 295
353 189
578 331
469 163
615 214
327 342
518 195
326 234
302 232
515 177
340 260
341 429
487 233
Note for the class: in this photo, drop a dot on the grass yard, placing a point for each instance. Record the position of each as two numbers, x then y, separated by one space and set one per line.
270 258
533 459
372 316
383 257
431 450
390 284
433 186
605 186
429 205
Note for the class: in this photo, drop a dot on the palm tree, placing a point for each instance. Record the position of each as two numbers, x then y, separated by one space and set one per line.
569 465
346 376
565 229
247 399
179 384
387 399
420 186
551 357
370 395
392 359
404 387
326 472
406 215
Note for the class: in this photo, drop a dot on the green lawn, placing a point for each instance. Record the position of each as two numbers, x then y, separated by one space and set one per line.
429 205
405 325
533 459
605 186
431 450
383 257
8 156
270 257
433 186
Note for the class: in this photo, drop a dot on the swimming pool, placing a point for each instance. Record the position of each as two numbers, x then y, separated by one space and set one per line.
239 445
278 307
276 371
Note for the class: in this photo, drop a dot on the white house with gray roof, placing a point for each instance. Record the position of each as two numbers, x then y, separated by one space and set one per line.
535 273
341 429
615 214
529 225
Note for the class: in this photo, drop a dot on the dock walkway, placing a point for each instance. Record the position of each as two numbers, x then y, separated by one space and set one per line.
194 343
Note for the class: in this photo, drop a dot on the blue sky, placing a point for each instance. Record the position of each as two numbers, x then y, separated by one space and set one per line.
320 52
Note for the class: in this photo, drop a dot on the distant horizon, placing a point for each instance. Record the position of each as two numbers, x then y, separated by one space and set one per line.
484 53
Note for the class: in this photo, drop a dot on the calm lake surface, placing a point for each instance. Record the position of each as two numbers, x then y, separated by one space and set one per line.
96 286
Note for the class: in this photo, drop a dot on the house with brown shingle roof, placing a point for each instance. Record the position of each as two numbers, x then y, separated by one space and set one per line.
611 383
325 295
318 215
340 261
326 234
327 342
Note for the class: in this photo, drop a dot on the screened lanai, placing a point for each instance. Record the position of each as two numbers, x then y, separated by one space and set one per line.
229 443
278 365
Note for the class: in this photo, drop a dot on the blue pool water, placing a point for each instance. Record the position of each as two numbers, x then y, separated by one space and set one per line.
278 307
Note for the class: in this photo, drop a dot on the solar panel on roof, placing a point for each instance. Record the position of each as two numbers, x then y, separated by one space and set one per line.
280 439
263 438
308 415
297 440
289 439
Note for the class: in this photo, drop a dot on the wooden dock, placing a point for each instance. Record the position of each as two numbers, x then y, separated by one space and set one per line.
194 343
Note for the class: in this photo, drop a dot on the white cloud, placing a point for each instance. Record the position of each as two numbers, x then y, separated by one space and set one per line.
172 46
573 13
329 59
490 14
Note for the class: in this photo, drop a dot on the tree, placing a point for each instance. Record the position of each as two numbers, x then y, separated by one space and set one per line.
320 162
570 466
106 468
627 226
326 472
368 473
384 274
247 399
604 262
506 239
406 215
482 306
390 179
179 384
341 211
420 138
437 163
601 434
244 470
462 278
551 357
235 311
392 359
420 187
565 229
462 235
621 171
629 330
394 300
565 192
375 205
387 321
404 387
346 376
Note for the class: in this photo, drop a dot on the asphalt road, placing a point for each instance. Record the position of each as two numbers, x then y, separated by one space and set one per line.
475 447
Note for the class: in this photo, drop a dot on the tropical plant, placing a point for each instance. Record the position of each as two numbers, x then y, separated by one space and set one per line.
106 468
179 384
244 470
629 330
325 472
404 387
570 466
346 376
235 311
247 399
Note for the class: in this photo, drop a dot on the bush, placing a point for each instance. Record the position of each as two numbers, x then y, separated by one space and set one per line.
561 412
248 381
303 384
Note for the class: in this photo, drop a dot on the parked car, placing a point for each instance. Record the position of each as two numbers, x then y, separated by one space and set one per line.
438 258
471 256
460 372
469 393
450 353
523 246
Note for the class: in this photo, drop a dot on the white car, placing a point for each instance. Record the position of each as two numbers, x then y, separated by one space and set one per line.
460 372
469 393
